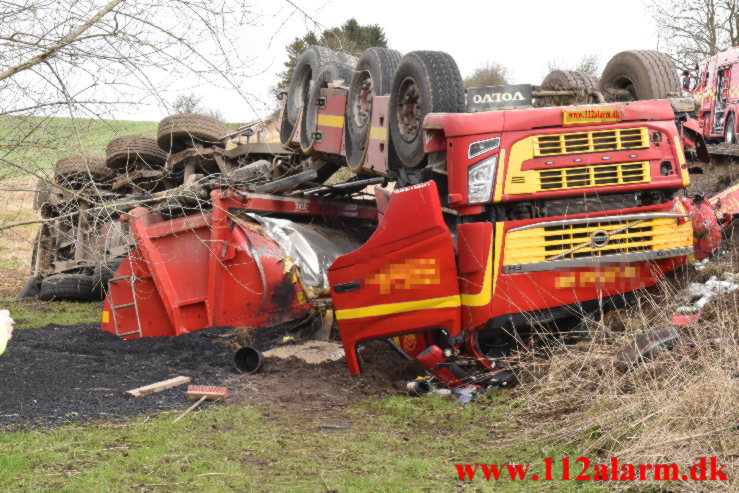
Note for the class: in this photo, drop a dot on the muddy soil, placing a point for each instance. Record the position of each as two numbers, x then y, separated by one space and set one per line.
60 374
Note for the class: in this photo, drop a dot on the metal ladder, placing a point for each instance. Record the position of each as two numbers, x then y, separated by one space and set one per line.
131 280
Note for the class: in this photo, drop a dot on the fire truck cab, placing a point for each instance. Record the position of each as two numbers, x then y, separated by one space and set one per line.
715 87
548 213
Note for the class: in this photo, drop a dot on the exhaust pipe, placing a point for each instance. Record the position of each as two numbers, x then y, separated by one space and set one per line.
248 360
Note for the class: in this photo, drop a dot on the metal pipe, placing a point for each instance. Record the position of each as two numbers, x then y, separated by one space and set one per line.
540 94
287 183
347 184
248 360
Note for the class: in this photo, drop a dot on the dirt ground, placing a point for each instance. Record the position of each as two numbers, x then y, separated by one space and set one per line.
58 374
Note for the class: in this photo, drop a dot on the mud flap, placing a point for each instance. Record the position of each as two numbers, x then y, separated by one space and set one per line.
692 137
402 281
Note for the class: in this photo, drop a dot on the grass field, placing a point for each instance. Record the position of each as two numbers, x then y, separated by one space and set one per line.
36 143
393 444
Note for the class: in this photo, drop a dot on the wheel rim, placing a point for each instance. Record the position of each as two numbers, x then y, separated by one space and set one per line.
624 83
363 100
409 109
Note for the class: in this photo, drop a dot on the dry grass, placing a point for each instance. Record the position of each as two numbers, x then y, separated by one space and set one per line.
678 407
16 244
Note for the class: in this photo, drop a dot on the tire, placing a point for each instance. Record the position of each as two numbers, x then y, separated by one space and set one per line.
103 273
308 66
309 124
126 152
286 130
424 82
177 132
31 288
645 74
42 199
647 347
77 171
730 130
568 80
73 287
372 77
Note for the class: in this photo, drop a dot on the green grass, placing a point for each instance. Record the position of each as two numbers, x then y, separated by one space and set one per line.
394 444
36 143
33 313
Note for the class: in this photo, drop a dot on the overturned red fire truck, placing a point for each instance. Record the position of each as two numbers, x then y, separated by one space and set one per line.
499 222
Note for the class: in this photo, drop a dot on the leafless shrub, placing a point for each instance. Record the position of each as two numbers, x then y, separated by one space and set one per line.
672 409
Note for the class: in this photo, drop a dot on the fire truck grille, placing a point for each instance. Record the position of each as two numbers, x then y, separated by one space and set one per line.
600 175
561 241
594 141
594 239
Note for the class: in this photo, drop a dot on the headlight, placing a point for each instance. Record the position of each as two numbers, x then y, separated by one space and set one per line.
480 180
482 146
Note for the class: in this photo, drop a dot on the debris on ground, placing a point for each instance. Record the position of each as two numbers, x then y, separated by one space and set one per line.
202 393
157 387
60 374
78 373
313 352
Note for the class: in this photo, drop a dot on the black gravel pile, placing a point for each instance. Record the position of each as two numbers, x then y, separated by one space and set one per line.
79 373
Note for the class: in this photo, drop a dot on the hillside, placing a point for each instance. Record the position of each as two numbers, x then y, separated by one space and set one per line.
36 143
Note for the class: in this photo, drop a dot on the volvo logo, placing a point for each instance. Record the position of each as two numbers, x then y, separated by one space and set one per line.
599 239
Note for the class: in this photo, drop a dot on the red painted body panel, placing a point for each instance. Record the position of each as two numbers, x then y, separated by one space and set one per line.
467 124
408 261
532 291
332 128
458 163
206 270
379 144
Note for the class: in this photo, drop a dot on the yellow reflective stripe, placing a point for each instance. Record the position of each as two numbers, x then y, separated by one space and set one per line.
330 121
681 161
391 308
491 274
483 297
679 148
498 250
499 177
378 133
106 317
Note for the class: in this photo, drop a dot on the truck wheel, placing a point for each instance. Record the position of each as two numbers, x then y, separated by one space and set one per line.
74 287
424 82
31 288
328 74
103 273
42 199
127 151
372 77
638 75
309 65
78 171
730 132
177 132
568 80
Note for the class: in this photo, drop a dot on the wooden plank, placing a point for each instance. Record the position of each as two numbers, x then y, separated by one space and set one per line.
158 386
